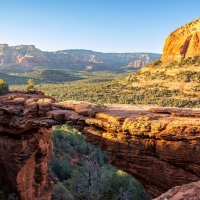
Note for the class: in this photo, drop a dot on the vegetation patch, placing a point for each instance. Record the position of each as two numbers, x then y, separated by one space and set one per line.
3 87
84 172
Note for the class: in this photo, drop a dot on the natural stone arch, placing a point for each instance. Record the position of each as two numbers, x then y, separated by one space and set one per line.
158 146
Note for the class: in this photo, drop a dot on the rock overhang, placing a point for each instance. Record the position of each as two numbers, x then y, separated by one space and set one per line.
158 146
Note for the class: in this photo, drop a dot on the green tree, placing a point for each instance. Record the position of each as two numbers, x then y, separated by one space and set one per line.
30 84
61 193
3 87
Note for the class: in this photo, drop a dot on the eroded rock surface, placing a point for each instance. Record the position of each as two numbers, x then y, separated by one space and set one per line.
137 63
182 43
184 192
160 147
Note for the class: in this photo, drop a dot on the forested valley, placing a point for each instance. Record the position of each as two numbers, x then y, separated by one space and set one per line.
83 171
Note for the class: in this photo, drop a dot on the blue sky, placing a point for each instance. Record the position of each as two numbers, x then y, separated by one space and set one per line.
99 25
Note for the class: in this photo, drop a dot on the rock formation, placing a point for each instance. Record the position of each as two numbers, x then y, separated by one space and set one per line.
27 56
114 59
182 43
137 63
160 147
31 57
185 192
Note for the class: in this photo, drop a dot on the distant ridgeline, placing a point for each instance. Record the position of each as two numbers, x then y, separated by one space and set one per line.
29 57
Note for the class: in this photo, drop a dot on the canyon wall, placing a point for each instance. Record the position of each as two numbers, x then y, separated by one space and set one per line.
160 147
29 57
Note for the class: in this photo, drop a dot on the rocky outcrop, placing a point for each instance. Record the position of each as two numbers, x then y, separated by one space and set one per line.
27 56
182 43
185 192
25 148
137 63
22 54
160 147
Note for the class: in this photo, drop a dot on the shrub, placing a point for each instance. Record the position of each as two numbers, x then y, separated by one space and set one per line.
157 62
3 87
61 193
30 84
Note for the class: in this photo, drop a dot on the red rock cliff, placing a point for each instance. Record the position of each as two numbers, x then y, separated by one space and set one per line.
183 42
160 147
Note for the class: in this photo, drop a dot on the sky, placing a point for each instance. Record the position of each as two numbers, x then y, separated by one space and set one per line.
98 25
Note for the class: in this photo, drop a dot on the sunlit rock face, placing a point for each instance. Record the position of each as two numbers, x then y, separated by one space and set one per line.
182 43
27 56
21 54
137 63
158 146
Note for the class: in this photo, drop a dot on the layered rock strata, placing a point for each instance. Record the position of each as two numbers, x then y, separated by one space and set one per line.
29 57
182 43
137 63
160 147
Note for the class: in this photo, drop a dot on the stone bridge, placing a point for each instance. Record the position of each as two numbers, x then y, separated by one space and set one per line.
160 147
